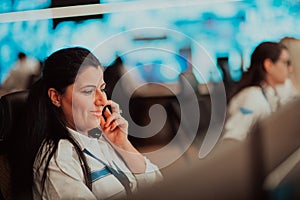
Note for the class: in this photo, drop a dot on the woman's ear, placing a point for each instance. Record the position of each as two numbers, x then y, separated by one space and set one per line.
268 65
54 96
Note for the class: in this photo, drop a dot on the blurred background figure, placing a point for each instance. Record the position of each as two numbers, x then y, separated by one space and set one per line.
263 88
113 74
24 72
116 72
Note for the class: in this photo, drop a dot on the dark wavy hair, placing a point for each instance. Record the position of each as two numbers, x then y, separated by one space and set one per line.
46 124
256 73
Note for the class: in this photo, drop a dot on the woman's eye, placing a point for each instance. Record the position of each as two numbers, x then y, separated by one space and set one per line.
87 91
103 89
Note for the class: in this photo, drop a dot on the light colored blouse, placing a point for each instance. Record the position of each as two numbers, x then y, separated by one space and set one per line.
253 104
65 178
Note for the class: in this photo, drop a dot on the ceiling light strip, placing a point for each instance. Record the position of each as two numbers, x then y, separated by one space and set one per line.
95 9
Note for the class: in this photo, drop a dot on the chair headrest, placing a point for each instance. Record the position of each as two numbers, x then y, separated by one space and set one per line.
12 109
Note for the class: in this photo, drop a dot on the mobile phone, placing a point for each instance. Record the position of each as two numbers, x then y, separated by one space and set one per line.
106 107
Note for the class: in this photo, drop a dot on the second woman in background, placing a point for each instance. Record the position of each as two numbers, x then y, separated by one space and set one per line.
262 89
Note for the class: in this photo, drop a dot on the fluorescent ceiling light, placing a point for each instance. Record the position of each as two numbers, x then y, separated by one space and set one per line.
95 9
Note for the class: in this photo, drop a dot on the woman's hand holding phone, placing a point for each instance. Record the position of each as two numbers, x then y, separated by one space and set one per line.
115 129
113 125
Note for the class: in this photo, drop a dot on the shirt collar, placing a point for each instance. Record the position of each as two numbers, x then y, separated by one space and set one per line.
270 91
83 140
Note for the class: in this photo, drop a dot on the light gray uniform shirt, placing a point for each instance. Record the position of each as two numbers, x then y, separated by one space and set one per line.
253 104
65 176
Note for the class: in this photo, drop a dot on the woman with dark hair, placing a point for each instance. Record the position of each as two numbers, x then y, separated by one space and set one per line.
80 147
259 92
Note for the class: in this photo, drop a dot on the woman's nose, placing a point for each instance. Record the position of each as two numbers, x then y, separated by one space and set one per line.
100 98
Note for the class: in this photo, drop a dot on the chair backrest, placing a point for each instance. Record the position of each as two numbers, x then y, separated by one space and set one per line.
280 148
12 110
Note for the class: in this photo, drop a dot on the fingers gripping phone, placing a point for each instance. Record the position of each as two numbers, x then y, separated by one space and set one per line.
104 111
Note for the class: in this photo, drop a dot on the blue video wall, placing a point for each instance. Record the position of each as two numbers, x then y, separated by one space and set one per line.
160 42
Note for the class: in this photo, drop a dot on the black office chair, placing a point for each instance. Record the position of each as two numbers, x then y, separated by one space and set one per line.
12 109
12 113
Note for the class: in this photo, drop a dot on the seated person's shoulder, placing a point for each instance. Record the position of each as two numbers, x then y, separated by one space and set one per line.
250 92
66 159
65 150
251 97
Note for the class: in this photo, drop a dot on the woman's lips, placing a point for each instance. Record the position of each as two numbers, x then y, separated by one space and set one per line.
97 113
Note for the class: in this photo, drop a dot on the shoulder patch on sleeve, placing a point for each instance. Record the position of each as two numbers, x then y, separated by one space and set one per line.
245 111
